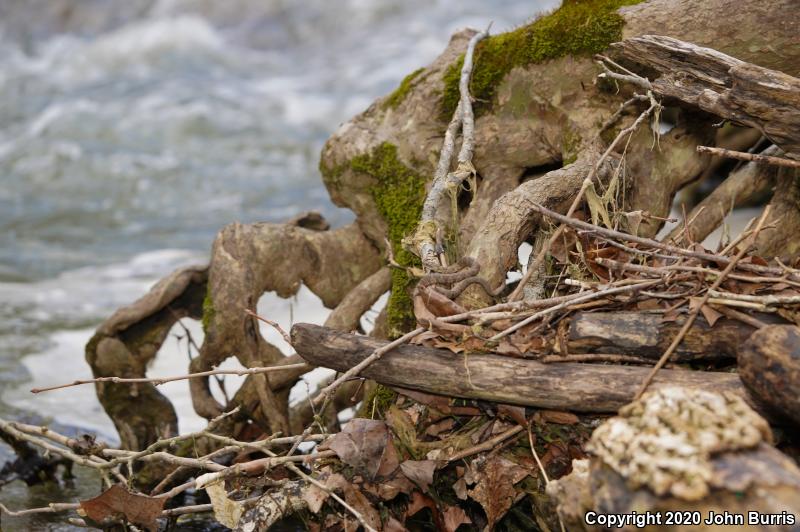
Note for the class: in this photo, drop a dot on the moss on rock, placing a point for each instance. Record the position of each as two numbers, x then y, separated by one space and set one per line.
208 311
398 193
570 146
400 93
578 27
377 402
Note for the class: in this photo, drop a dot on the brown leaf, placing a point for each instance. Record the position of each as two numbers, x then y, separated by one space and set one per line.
437 428
448 344
515 413
359 501
424 337
389 489
420 472
419 502
460 488
366 445
558 417
710 314
439 402
439 304
315 497
494 489
454 517
429 320
633 220
393 525
648 304
507 348
117 502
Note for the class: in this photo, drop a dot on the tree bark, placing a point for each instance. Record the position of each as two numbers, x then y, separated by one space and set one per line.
577 387
769 364
647 335
742 92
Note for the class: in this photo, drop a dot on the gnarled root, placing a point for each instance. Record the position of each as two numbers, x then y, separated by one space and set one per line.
247 261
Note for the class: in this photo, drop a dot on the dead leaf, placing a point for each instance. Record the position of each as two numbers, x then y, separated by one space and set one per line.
648 304
454 517
420 472
389 489
117 502
439 304
419 502
558 417
434 429
439 402
507 348
359 501
494 489
366 445
515 413
710 314
460 488
315 497
226 510
429 320
633 220
393 525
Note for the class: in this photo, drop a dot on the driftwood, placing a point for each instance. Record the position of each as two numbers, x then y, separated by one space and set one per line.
567 386
647 335
769 364
742 92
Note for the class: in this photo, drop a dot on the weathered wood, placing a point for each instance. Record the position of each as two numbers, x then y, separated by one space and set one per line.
647 335
769 365
720 84
567 386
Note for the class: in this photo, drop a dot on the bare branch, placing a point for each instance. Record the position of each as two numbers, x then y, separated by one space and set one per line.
161 380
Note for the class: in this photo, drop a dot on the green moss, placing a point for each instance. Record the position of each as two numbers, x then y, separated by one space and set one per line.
398 193
400 93
578 27
570 146
377 402
208 311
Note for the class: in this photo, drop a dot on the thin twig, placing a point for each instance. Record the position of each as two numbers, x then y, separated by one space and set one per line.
541 468
443 179
161 380
583 297
611 233
745 156
587 182
488 444
741 316
694 313
286 337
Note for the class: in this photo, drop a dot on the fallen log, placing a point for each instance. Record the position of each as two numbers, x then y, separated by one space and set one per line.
647 335
723 85
769 364
568 386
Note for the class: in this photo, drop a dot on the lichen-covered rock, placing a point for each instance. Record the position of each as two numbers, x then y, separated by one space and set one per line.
666 440
700 453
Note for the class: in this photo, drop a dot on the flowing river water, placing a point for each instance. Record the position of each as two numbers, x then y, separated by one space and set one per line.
130 132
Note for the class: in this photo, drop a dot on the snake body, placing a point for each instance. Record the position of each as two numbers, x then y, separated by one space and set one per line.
458 276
